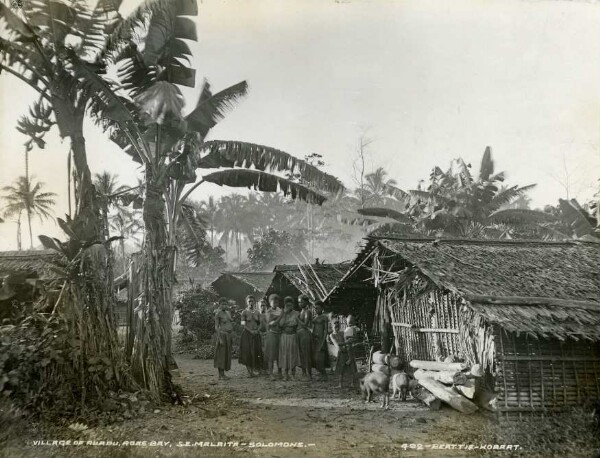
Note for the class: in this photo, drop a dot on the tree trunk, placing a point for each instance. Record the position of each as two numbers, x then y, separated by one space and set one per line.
19 244
438 366
447 377
87 211
152 354
448 395
30 233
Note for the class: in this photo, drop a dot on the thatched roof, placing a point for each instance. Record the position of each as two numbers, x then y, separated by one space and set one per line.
34 264
544 319
314 280
259 281
237 285
543 288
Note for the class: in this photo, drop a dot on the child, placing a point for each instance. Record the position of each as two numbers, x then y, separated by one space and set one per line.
345 360
351 337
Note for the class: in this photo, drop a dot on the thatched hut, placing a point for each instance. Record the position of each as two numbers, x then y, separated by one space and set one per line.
237 285
313 280
22 274
527 311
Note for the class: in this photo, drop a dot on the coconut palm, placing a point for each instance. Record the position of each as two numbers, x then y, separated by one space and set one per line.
26 196
127 226
108 190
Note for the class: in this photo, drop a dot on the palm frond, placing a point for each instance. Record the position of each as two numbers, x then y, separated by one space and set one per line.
15 23
395 192
506 196
520 216
53 19
211 108
576 217
386 213
93 24
126 27
240 154
262 181
194 242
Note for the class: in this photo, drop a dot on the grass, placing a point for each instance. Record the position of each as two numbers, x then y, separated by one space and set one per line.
572 434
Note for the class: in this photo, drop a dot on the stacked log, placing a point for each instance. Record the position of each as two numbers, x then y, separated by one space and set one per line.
451 382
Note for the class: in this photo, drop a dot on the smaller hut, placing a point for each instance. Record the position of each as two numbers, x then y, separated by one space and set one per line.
237 285
314 280
22 273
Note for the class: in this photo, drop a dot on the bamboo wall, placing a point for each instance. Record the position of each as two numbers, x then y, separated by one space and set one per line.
425 326
538 375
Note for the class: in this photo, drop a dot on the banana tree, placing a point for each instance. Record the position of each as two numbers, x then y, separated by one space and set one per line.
457 204
36 47
148 124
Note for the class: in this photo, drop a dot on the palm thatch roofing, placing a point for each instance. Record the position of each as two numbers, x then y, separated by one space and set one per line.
33 264
260 281
237 285
313 280
536 287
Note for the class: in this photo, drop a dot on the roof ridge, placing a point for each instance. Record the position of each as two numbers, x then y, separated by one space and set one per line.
481 241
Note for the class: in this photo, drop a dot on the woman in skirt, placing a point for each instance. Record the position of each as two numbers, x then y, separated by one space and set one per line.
273 335
250 341
223 338
305 336
319 340
289 355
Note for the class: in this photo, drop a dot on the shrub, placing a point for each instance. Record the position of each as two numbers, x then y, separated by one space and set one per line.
197 307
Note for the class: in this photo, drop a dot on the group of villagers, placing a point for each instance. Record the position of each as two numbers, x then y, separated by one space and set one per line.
292 336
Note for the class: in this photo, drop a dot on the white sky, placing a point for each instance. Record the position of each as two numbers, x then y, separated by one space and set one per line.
432 80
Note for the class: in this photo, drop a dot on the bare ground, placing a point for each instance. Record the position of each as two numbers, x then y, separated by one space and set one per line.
327 421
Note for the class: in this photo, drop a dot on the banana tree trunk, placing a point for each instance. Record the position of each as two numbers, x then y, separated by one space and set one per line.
152 355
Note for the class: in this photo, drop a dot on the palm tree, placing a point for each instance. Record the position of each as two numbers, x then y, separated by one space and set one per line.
126 224
209 210
107 190
231 217
377 187
26 196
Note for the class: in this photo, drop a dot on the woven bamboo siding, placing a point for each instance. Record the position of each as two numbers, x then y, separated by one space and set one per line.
544 374
423 323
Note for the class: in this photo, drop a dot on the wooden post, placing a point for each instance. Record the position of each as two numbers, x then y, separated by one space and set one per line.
449 396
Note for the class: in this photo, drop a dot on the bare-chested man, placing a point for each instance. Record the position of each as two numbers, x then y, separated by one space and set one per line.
223 338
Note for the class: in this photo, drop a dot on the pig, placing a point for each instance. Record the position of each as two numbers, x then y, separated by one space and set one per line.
376 382
400 383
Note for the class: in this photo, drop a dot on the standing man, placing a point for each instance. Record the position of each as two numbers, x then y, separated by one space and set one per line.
223 338
305 337
250 342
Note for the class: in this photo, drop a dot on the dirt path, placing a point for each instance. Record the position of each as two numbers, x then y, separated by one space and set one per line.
325 420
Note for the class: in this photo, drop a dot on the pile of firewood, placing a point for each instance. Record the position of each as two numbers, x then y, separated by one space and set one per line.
449 382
